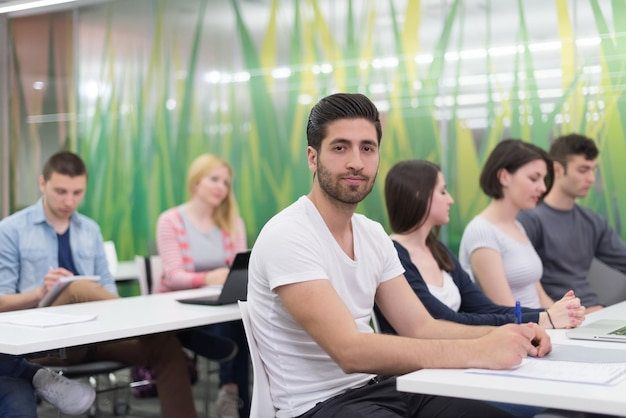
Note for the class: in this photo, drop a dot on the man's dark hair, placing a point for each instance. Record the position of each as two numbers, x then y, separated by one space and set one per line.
409 189
339 106
566 146
66 163
511 154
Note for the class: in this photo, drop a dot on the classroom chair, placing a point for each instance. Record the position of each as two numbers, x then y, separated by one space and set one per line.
608 283
261 405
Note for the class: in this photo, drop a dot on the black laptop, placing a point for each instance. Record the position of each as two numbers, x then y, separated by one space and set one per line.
235 287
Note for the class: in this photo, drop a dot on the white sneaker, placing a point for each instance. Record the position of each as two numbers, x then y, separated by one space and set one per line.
227 404
68 396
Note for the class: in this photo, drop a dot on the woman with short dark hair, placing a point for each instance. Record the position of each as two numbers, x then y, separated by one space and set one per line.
495 250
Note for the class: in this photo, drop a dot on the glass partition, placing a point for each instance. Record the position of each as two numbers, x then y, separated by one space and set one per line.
140 88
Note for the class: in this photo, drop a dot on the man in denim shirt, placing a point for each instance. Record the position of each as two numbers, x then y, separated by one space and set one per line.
29 243
49 240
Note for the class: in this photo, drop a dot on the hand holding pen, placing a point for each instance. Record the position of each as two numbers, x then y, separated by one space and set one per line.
53 275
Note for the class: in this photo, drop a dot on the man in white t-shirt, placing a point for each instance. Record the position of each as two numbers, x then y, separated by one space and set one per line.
315 272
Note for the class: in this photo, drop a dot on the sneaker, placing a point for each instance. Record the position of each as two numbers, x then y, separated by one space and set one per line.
68 396
227 404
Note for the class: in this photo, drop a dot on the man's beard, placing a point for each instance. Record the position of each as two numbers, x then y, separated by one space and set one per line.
346 194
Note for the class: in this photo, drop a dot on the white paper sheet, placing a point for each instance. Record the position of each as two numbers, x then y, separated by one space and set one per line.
43 319
564 371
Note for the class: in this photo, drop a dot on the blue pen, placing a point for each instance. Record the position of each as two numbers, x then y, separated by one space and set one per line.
518 312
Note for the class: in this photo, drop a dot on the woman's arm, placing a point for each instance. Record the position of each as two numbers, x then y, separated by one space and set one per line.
175 276
489 274
474 300
476 308
545 300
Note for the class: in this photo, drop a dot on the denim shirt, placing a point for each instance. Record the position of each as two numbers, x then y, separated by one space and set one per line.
29 248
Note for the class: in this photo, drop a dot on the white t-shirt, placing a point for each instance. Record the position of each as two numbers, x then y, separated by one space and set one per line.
448 293
522 265
296 246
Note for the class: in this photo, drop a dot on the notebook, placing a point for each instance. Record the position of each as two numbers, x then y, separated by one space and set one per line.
601 330
235 287
60 286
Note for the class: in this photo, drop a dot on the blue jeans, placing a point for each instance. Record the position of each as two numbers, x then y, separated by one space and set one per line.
17 398
12 366
520 411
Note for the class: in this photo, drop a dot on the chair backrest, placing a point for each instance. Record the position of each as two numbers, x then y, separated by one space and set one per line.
608 283
150 272
111 254
143 274
156 273
375 323
261 404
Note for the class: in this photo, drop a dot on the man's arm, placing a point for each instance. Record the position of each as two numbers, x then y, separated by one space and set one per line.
322 314
610 248
9 275
99 266
19 301
102 267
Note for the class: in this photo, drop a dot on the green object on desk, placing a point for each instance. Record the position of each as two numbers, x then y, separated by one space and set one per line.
126 288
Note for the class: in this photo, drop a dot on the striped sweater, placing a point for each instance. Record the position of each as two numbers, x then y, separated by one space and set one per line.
173 246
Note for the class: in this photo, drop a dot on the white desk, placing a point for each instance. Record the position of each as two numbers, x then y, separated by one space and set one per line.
118 318
544 393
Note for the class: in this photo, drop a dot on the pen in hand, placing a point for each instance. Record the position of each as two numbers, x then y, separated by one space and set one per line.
518 312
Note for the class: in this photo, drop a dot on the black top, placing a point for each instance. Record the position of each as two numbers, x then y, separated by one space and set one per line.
476 308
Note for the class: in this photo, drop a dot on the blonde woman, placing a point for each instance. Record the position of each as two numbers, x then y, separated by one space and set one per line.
197 242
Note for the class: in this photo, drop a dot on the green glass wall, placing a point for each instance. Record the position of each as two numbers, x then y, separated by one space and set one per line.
144 86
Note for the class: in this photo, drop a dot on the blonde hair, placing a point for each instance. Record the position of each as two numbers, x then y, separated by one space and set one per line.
227 213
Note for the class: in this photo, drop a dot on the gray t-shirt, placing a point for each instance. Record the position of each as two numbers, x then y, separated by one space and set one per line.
206 248
567 242
522 265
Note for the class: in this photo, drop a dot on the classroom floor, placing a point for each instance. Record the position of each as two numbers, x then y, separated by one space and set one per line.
149 408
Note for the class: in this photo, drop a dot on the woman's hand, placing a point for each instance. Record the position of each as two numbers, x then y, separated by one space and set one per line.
216 277
567 312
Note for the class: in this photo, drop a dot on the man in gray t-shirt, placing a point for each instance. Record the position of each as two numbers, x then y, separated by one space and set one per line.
566 236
